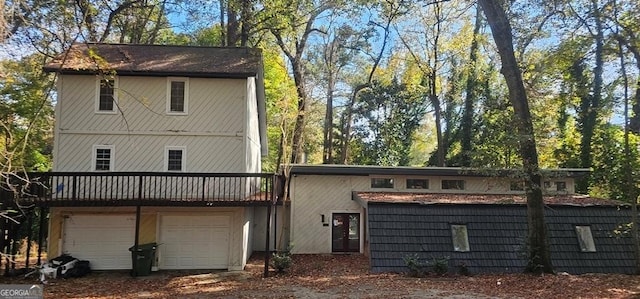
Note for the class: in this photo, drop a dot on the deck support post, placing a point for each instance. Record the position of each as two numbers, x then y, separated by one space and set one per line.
134 253
267 252
41 234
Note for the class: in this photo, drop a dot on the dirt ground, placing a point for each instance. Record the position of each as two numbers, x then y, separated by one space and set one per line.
334 276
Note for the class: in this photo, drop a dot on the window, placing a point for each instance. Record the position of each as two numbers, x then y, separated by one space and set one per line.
103 157
417 184
561 186
585 238
453 184
381 183
516 186
460 237
175 158
547 185
177 95
106 96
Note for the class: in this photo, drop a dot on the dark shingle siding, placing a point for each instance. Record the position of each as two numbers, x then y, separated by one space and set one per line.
497 235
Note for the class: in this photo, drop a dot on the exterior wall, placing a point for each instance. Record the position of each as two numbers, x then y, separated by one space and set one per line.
279 226
313 196
215 124
253 147
239 239
497 237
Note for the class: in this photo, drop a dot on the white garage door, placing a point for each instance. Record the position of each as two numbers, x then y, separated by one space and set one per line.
194 241
103 240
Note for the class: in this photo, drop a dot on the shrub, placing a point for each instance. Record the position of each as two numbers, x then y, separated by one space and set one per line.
413 263
281 261
441 265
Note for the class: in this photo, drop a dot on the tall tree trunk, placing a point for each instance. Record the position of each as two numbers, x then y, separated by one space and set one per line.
433 93
247 22
466 123
539 259
327 156
233 27
594 101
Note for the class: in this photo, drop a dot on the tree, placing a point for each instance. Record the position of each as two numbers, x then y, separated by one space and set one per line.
292 24
388 116
539 256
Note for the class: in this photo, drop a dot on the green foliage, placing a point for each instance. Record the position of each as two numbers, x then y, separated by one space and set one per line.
281 261
388 114
26 116
414 264
610 167
440 265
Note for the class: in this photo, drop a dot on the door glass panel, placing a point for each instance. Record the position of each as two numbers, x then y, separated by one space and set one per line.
345 232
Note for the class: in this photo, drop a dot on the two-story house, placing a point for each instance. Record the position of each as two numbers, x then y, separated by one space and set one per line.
159 144
162 144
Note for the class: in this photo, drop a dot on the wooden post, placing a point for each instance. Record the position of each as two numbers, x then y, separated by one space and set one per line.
29 226
267 252
134 253
41 234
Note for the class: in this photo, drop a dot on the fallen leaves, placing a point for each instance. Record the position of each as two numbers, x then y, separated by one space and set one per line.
335 276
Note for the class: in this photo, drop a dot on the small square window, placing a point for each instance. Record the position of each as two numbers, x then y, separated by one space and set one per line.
103 158
175 158
382 183
417 184
585 238
561 186
547 185
460 237
452 184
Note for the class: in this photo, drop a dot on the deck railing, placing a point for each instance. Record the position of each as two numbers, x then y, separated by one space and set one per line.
149 188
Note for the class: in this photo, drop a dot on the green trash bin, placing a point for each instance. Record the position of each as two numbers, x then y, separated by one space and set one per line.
142 259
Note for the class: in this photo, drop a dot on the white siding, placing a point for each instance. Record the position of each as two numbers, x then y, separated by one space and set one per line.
146 152
253 129
214 132
316 195
313 196
280 223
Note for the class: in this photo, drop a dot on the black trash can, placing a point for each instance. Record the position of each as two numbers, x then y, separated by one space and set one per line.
142 259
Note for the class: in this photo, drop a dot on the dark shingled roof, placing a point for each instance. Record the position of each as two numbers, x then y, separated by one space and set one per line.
159 60
448 198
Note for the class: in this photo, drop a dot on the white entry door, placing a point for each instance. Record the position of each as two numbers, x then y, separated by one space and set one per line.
194 241
103 240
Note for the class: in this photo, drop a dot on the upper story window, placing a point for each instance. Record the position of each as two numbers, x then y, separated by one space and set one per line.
382 183
585 238
103 157
175 158
106 96
177 95
452 184
417 184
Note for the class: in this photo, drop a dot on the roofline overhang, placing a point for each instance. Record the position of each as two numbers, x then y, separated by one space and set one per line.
366 170
124 72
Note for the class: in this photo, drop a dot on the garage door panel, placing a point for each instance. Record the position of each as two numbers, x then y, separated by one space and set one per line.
103 240
194 242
